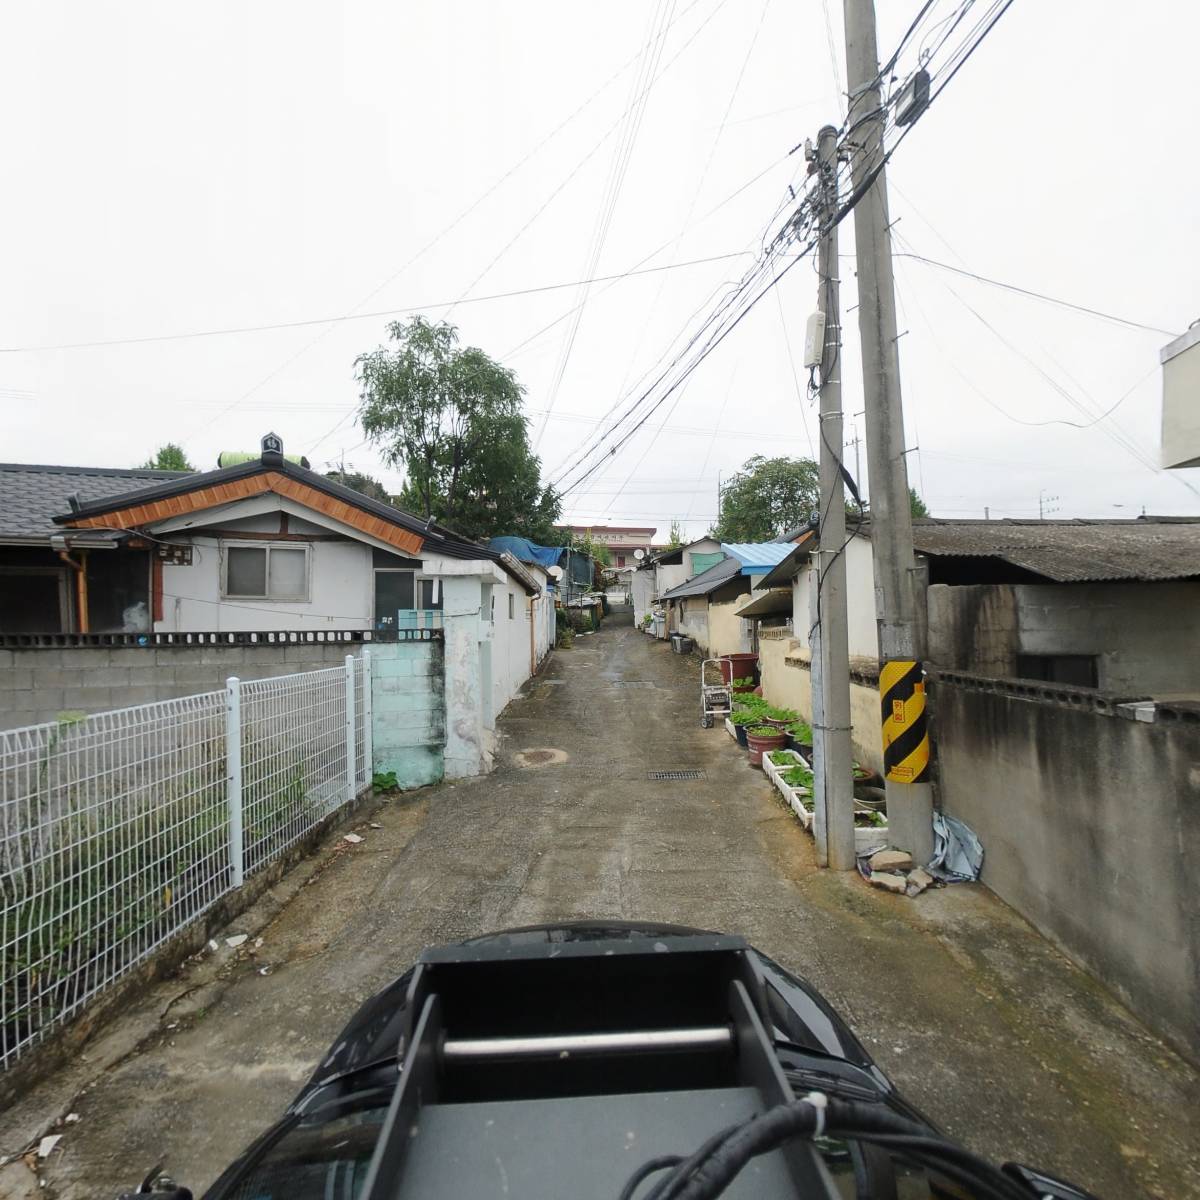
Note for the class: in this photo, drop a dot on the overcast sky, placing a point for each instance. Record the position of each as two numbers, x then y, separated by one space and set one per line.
174 168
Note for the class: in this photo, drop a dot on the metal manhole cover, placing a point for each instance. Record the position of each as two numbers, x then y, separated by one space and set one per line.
672 776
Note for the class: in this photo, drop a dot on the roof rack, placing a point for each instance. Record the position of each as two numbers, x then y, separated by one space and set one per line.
557 1069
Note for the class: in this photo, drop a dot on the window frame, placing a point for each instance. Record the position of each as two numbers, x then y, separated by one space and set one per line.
267 546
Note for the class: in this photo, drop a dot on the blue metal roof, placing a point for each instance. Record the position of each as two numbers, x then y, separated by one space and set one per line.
758 557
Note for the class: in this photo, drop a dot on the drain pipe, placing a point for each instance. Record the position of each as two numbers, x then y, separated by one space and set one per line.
62 548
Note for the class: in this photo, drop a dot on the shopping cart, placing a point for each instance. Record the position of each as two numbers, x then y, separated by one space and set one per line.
716 699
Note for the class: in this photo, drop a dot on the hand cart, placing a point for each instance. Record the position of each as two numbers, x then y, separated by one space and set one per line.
716 699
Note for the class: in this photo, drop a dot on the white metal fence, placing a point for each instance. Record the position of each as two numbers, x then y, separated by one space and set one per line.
118 830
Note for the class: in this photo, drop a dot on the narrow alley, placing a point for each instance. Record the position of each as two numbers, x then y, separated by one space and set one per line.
980 1021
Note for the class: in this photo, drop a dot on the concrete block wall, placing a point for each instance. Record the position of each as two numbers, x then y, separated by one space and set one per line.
409 711
37 684
1090 824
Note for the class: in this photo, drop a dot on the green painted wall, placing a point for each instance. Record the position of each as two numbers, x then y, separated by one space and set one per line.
408 711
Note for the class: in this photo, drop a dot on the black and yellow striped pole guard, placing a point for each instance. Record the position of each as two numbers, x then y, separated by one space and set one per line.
905 725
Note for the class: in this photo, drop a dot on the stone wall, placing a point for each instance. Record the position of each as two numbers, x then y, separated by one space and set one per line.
1090 822
37 684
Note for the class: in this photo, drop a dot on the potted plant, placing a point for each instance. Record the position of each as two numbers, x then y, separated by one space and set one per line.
762 738
865 777
741 719
781 718
800 738
743 686
775 762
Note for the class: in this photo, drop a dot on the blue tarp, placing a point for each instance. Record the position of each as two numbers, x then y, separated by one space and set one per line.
524 550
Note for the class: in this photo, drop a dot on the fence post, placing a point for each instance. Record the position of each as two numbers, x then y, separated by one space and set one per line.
351 740
368 709
233 759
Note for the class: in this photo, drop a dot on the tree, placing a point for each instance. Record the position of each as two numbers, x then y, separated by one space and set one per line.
676 536
767 498
451 418
598 552
361 483
916 505
169 458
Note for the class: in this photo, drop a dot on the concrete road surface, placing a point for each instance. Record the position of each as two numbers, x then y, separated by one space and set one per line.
981 1022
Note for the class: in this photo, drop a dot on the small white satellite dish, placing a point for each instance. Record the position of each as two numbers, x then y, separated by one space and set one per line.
639 554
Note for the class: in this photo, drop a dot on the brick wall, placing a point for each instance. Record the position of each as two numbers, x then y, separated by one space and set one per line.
37 684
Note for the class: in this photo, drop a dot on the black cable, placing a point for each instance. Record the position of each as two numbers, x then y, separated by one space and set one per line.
647 1169
707 1172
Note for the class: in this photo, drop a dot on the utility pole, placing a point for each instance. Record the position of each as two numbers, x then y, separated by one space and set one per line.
831 732
901 680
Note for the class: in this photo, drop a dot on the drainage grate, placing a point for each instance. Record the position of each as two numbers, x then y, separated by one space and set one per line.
631 683
674 775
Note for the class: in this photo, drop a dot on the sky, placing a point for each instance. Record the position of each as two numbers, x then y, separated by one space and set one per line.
175 169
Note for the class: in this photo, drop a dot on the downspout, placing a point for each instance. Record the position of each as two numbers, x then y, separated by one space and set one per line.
532 644
81 592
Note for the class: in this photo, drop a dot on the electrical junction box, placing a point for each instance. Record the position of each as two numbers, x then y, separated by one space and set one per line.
913 99
814 340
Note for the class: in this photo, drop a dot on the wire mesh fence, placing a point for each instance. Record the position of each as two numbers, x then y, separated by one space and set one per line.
120 829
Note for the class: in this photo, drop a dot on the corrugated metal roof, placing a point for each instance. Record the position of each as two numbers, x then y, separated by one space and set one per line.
30 495
706 582
1146 548
757 556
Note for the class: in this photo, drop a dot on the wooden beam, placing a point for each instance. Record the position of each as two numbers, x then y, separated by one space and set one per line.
397 536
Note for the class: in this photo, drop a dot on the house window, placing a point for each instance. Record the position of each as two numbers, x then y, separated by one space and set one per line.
620 560
265 572
511 608
1075 670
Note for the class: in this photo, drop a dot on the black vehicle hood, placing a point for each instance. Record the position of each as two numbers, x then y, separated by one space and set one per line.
799 1013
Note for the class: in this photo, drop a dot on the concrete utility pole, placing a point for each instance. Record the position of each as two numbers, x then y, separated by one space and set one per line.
901 682
832 730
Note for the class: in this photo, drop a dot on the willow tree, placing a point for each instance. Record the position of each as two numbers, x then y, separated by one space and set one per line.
450 417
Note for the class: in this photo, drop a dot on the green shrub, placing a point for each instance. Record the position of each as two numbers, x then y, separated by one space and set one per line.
385 781
746 682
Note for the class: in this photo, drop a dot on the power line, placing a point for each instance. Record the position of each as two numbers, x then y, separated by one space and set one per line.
1012 287
364 316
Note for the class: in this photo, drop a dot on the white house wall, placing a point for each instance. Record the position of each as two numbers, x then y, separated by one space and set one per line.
862 628
510 643
341 592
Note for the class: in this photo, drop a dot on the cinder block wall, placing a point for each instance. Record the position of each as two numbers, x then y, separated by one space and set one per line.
409 711
1090 824
37 684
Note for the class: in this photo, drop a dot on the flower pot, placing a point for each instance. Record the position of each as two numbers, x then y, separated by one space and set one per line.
740 735
731 728
738 666
804 749
758 744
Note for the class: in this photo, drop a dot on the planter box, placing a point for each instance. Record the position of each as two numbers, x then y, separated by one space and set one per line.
731 729
873 837
794 796
773 772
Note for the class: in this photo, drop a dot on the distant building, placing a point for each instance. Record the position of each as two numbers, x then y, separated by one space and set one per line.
621 540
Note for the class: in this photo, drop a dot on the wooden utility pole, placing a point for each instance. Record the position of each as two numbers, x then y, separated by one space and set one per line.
901 679
834 801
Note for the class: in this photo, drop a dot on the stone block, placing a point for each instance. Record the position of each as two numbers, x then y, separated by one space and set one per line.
918 881
891 860
148 674
42 698
889 882
129 656
36 658
114 677
204 679
6 659
17 679
87 699
128 697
